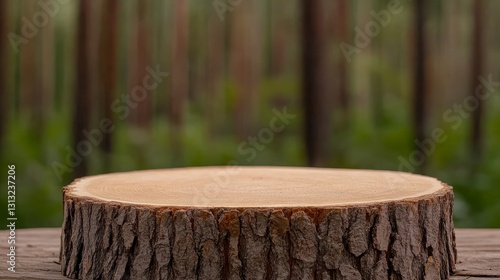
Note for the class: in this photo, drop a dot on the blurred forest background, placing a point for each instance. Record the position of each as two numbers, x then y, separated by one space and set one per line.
359 100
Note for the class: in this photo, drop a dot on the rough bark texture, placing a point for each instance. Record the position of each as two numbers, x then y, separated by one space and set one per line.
407 239
478 250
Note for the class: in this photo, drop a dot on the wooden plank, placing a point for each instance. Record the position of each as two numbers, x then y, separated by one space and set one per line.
478 252
37 254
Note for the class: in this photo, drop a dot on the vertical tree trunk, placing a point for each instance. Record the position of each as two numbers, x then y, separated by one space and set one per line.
180 67
46 69
376 82
245 65
342 27
198 53
27 79
476 71
278 38
108 64
132 27
316 113
144 106
4 105
141 112
420 81
82 100
214 67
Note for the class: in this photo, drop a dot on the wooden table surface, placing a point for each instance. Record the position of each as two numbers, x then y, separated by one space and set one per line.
37 254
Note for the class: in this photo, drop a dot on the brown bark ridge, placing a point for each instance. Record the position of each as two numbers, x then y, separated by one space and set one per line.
407 238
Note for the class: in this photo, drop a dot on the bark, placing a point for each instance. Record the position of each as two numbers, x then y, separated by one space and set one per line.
476 71
376 75
315 94
108 64
27 66
144 112
31 81
245 65
407 239
46 70
215 66
342 28
3 72
82 101
180 60
420 79
279 40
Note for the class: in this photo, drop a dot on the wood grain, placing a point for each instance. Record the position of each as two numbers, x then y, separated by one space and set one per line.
253 187
38 253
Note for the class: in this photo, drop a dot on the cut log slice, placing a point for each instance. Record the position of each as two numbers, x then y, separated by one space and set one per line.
258 223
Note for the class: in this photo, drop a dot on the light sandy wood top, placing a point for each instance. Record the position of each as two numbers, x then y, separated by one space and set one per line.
254 187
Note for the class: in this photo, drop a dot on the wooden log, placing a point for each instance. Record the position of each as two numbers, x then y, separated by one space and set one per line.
258 223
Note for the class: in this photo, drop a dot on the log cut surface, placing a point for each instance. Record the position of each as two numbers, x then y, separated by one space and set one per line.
258 223
252 187
38 254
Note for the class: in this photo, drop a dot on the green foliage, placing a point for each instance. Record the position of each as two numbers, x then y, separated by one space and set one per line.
360 145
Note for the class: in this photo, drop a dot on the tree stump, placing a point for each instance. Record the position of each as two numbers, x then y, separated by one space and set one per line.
258 223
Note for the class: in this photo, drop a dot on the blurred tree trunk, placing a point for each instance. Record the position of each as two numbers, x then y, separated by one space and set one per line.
82 101
376 76
132 27
180 66
198 53
28 80
278 38
46 68
278 49
420 81
145 107
476 71
342 34
214 68
245 65
163 54
4 105
139 54
108 65
315 94
452 33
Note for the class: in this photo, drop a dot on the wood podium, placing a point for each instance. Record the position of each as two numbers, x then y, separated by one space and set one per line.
258 223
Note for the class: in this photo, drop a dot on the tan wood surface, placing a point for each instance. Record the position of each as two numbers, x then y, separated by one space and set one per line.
250 187
38 254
